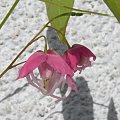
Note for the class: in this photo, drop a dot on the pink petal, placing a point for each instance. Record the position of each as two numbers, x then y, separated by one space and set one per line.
59 64
52 52
71 83
72 59
63 84
54 82
78 55
84 62
45 70
33 62
83 50
53 78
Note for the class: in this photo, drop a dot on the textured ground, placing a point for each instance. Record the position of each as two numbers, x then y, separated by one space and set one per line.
99 86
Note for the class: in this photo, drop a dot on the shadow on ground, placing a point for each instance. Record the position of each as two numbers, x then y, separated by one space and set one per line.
112 113
79 106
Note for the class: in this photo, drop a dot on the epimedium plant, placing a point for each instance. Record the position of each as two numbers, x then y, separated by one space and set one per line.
56 73
53 70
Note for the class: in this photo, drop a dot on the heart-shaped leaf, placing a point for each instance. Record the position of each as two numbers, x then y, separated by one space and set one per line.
53 10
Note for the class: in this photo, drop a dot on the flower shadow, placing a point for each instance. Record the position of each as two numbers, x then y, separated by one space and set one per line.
112 113
79 106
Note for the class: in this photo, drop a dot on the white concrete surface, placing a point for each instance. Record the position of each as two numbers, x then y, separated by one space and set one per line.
99 86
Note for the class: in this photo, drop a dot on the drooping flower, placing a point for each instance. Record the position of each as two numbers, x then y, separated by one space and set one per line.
54 72
78 57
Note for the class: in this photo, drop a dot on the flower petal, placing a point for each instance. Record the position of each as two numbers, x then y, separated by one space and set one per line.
84 51
72 59
78 55
71 83
54 82
59 64
45 70
33 62
35 82
30 81
52 52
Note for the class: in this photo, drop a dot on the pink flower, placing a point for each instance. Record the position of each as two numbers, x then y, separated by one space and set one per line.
78 57
54 71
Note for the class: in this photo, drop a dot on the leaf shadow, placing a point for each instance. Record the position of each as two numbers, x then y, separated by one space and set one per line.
54 41
112 113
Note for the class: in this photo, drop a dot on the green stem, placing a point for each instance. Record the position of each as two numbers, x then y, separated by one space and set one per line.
91 12
45 49
31 41
17 64
11 64
82 11
9 13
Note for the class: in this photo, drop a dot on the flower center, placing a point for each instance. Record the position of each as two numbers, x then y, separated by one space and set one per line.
45 82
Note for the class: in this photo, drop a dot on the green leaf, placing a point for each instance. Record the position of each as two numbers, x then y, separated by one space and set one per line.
78 10
9 13
114 6
54 10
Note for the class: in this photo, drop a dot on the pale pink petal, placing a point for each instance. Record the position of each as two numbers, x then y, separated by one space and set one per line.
37 83
45 70
50 77
59 64
65 95
31 81
67 92
52 90
63 84
35 80
55 78
33 62
54 83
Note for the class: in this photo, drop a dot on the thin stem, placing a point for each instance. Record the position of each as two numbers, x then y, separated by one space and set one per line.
9 13
31 41
17 64
11 64
90 12
45 49
82 11
25 61
45 45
